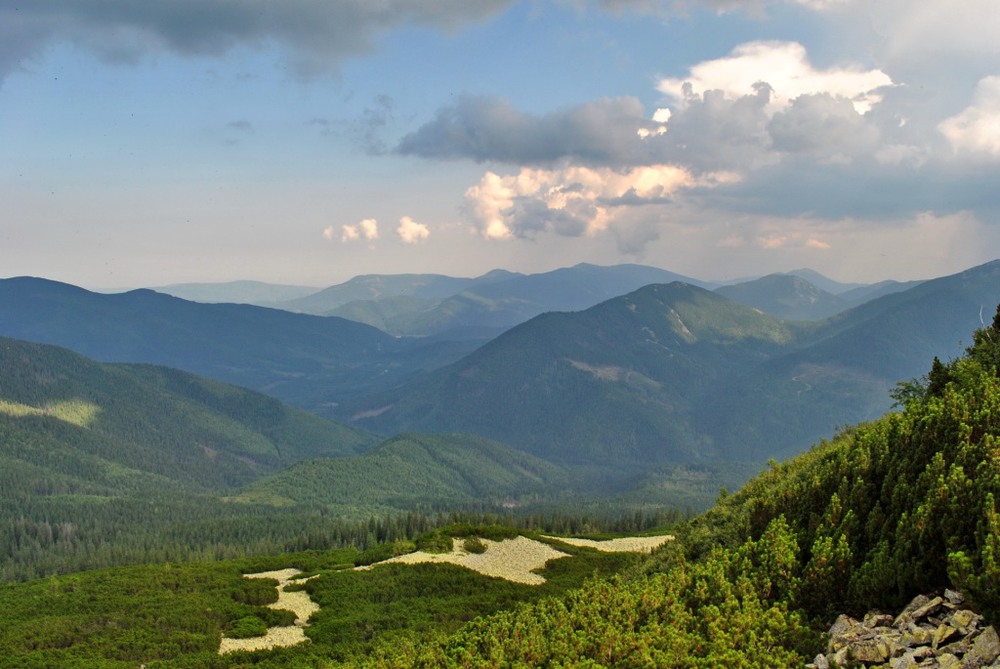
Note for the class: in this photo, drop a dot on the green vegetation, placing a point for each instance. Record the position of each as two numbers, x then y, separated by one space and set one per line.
888 509
672 374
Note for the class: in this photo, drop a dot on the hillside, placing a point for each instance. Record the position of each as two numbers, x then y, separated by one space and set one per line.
412 472
112 463
308 361
889 511
785 296
679 374
156 421
619 381
881 515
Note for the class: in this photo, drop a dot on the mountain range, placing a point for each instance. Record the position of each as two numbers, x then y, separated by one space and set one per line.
677 373
667 373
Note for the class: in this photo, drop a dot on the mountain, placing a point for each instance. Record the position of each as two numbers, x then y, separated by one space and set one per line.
825 283
382 286
309 361
858 296
117 429
785 296
617 382
239 292
413 471
489 307
676 373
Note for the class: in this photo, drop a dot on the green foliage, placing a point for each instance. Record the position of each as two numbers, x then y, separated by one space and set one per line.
247 627
474 545
380 552
435 541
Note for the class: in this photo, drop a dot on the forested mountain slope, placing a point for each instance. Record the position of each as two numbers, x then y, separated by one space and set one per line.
195 432
414 471
902 506
111 463
785 296
618 381
309 361
678 374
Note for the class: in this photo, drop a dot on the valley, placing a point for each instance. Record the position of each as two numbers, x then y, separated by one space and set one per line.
478 476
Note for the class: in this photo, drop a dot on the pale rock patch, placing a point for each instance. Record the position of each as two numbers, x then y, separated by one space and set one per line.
511 559
620 545
298 603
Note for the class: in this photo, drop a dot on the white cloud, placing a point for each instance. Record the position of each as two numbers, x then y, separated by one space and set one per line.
367 229
412 232
977 128
785 67
571 201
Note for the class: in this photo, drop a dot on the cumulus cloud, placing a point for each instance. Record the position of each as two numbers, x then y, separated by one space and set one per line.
745 110
412 232
366 229
976 129
318 34
785 68
571 201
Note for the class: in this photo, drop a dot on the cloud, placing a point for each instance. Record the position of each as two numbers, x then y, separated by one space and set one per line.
366 229
785 68
824 126
601 132
318 35
412 232
572 201
976 129
745 110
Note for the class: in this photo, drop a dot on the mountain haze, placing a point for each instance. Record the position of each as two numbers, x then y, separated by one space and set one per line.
676 373
496 301
309 361
785 296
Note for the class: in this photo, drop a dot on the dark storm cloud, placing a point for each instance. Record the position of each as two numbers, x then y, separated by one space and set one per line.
318 33
602 132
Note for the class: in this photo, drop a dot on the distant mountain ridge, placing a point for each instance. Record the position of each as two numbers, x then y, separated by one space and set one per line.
426 305
309 361
239 292
785 296
677 373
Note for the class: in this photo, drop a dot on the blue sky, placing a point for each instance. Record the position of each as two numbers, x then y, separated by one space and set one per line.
309 141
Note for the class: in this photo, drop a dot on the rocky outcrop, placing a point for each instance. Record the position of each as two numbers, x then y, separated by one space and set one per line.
938 632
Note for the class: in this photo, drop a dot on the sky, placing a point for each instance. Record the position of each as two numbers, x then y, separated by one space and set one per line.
308 141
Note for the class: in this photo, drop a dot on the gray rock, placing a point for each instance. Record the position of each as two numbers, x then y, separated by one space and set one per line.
986 648
965 621
942 634
949 661
954 597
